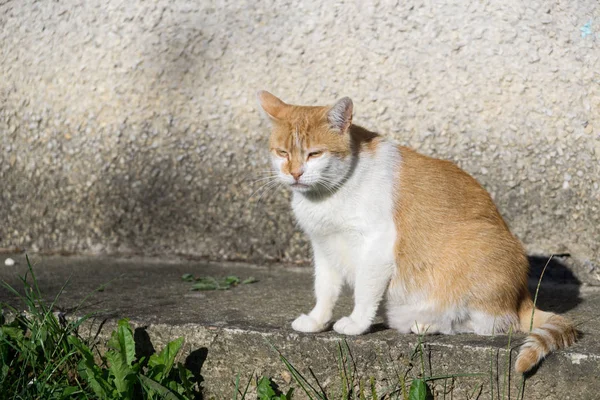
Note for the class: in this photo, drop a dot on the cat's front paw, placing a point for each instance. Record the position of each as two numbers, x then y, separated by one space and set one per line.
347 326
307 324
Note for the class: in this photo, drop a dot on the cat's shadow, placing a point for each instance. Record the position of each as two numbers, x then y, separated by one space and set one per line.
560 289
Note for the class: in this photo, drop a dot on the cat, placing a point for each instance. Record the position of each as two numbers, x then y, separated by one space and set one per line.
391 222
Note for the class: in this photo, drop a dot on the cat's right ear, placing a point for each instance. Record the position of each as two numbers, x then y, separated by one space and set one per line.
272 105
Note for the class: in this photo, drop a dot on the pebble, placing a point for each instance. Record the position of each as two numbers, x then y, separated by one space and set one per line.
9 262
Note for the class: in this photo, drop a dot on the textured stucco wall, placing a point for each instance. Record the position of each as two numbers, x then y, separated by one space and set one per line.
131 126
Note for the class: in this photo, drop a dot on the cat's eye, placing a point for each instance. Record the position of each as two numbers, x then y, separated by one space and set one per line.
314 154
281 153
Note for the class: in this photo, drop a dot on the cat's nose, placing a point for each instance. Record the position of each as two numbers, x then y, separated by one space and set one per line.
297 175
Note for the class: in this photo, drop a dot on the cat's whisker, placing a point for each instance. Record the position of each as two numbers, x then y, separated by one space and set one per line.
252 178
264 178
265 185
258 173
327 185
331 186
271 188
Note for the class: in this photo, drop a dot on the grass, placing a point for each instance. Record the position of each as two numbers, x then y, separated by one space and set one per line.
43 356
351 386
37 359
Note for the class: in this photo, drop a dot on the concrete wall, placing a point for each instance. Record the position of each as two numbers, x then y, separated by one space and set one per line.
131 126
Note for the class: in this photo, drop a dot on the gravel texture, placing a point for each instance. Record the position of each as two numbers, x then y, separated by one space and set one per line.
131 126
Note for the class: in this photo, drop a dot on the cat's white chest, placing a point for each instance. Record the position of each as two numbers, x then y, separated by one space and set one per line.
357 222
338 215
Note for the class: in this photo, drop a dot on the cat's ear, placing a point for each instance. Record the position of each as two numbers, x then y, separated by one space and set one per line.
340 115
272 105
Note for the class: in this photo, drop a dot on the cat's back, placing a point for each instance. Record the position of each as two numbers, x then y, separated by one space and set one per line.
442 190
443 213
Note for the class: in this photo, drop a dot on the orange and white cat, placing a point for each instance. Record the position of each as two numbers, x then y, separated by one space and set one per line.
391 222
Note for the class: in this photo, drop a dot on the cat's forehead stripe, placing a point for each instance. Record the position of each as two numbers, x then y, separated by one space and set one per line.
297 141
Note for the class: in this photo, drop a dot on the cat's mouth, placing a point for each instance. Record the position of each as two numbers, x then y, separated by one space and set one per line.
298 185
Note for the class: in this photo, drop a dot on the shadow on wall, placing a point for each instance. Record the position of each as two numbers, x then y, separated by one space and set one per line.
173 196
149 205
556 273
171 200
183 194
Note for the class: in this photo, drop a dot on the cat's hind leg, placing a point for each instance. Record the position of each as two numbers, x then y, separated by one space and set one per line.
410 318
421 319
424 329
482 323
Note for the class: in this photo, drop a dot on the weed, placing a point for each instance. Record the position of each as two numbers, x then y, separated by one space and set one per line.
37 358
266 389
127 377
43 357
352 387
210 283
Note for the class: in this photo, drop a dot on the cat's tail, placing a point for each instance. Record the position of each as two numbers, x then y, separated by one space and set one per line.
547 332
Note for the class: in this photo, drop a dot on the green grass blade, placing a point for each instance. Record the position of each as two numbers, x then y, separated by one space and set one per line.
247 386
507 370
237 386
465 375
537 290
322 394
373 389
300 380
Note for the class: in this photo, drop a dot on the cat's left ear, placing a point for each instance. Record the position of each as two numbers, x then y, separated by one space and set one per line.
340 115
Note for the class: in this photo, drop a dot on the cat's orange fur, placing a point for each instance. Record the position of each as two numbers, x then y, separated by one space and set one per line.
451 241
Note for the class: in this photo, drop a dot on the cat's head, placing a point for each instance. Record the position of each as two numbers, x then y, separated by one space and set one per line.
310 147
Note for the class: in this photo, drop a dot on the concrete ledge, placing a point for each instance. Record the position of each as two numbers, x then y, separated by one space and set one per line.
227 332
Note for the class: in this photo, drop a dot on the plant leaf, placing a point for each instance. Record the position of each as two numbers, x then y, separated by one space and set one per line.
122 341
153 386
187 277
231 280
88 369
121 373
160 364
68 392
264 390
249 280
185 375
418 390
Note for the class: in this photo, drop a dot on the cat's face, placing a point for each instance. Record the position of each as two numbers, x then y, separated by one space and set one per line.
310 146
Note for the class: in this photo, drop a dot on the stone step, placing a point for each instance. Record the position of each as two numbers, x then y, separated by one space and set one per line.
235 332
